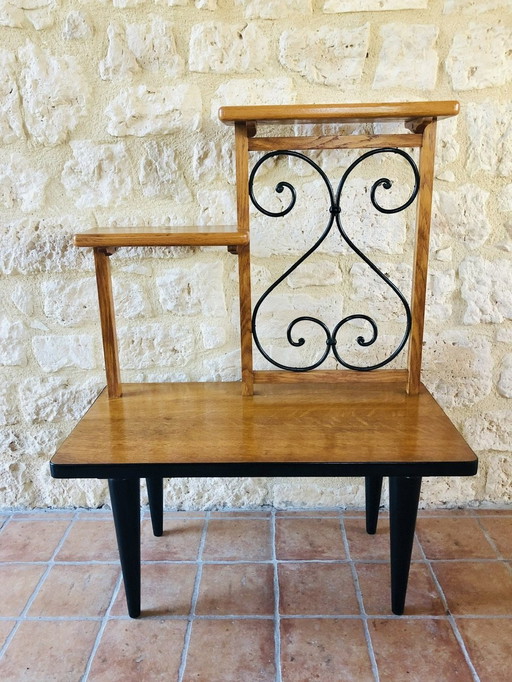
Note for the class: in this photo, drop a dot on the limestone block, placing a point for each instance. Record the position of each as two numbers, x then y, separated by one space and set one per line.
38 14
224 367
408 57
119 61
11 124
484 289
172 3
159 174
317 273
47 399
314 492
140 111
490 430
451 491
129 299
489 127
193 290
220 493
55 351
206 4
226 48
13 335
23 298
499 475
480 56
154 47
473 7
252 91
21 185
218 207
462 215
505 380
274 9
330 56
380 300
505 199
156 345
123 4
214 335
55 94
458 367
213 160
441 286
70 303
503 334
46 245
8 402
447 145
98 175
331 6
77 26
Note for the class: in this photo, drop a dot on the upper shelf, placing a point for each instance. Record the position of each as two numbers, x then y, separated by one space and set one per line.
181 235
338 113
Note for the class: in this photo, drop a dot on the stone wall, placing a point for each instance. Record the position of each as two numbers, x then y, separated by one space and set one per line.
108 115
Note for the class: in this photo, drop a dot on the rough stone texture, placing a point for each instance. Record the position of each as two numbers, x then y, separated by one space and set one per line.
159 174
55 94
490 431
214 161
473 7
490 138
498 470
408 58
54 352
505 199
193 290
130 299
49 399
98 175
21 185
227 48
274 9
480 56
38 14
141 111
70 304
329 56
11 123
505 380
77 26
319 273
251 92
462 214
372 5
151 345
12 342
483 289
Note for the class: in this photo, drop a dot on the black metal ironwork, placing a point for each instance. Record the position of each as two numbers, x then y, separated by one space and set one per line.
334 219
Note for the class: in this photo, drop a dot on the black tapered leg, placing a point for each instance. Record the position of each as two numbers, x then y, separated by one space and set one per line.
404 495
125 499
373 489
156 503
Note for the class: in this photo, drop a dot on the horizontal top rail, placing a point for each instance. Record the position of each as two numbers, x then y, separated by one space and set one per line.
338 113
180 235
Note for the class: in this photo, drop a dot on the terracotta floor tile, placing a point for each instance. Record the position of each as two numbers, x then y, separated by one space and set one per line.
182 515
500 531
30 540
3 519
166 589
450 513
236 589
242 513
483 588
421 649
75 590
299 513
17 583
316 589
498 511
453 538
422 595
91 540
141 650
44 651
324 649
45 515
489 644
5 630
180 541
231 651
238 539
309 538
364 547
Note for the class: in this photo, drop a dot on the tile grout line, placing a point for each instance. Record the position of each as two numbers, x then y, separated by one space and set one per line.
359 596
501 558
277 617
49 564
194 599
451 619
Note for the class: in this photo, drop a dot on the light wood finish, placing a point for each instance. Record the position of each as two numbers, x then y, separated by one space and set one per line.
330 376
338 113
202 423
335 142
420 268
181 235
108 322
244 256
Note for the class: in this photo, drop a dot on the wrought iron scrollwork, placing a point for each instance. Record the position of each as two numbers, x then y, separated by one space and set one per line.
334 219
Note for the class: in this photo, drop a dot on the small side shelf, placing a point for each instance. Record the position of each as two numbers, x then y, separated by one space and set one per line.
181 235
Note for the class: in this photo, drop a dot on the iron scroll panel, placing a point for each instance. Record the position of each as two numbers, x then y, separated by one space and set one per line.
334 219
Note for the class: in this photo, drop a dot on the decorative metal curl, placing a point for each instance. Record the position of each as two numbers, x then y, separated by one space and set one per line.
334 218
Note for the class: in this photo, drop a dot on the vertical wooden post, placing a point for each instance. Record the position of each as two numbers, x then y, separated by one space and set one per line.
244 260
419 284
108 322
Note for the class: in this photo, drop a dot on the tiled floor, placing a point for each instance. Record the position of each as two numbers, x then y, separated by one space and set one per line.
254 597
